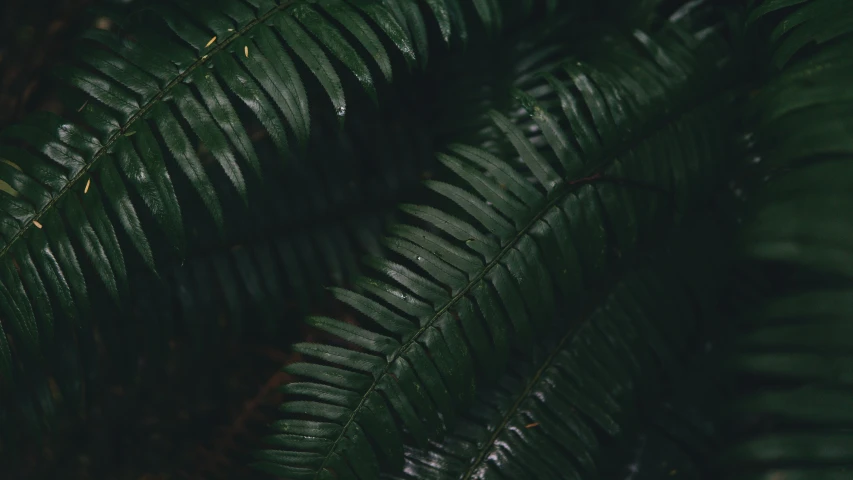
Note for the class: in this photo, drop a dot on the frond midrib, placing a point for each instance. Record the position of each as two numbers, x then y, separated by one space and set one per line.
533 381
607 156
546 364
106 146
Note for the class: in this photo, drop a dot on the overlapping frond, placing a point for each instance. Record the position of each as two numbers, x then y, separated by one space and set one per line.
306 225
308 222
802 122
482 269
282 249
368 177
572 407
792 356
580 165
174 95
473 89
315 241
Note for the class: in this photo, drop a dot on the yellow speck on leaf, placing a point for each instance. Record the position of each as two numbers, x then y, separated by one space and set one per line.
210 42
37 224
246 51
230 29
531 425
203 57
88 182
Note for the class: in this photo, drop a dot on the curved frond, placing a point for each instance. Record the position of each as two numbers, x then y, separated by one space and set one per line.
566 408
172 94
280 253
366 176
793 353
802 120
482 268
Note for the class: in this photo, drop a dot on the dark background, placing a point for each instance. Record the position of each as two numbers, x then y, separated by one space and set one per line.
34 36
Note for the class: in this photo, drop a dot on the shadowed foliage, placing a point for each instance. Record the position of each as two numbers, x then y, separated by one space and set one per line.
506 251
492 238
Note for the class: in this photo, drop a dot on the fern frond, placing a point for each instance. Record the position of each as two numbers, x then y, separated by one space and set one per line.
565 406
277 256
308 221
792 355
462 287
160 96
802 121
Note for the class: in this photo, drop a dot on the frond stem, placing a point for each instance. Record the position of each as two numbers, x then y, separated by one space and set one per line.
532 383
